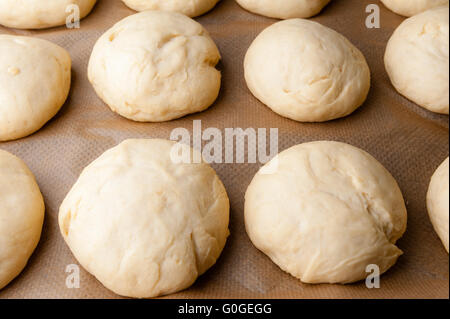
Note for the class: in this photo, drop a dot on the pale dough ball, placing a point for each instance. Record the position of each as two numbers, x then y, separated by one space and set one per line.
142 224
41 14
284 9
409 8
325 212
306 72
21 216
416 59
34 84
438 201
156 66
191 8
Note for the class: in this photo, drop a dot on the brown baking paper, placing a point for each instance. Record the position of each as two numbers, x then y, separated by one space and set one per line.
410 141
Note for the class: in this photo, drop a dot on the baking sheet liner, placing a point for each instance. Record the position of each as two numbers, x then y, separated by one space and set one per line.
410 141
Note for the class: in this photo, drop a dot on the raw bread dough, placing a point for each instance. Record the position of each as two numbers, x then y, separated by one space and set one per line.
143 225
327 212
34 84
438 201
306 72
410 8
416 59
156 66
40 14
285 9
192 8
21 216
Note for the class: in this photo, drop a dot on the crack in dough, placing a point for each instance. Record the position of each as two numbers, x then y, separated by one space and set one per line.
307 72
329 210
146 226
160 67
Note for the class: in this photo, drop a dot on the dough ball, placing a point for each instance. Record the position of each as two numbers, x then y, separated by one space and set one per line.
21 216
156 66
142 224
40 14
34 84
416 59
410 8
326 212
192 8
285 9
306 72
438 202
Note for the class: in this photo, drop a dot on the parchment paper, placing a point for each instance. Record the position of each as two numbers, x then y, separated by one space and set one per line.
410 141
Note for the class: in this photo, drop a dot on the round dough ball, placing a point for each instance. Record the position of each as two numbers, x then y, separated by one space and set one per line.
416 59
156 66
286 9
410 8
34 84
21 216
438 201
191 8
306 72
40 14
326 212
144 225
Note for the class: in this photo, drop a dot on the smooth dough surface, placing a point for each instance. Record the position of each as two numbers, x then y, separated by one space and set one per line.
417 59
327 212
284 9
40 14
191 8
21 216
34 84
156 66
142 224
410 8
307 72
438 201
